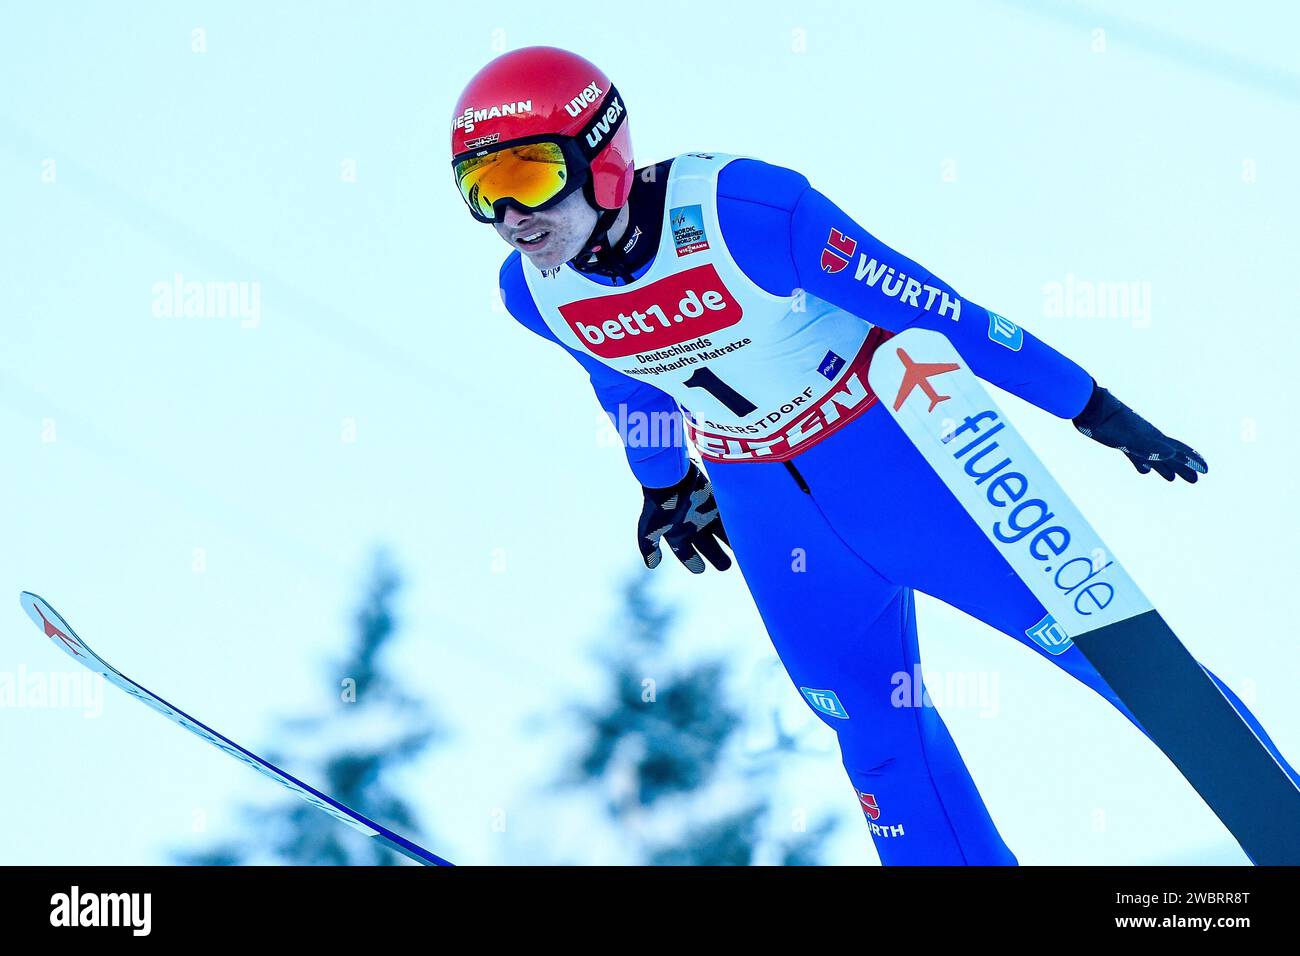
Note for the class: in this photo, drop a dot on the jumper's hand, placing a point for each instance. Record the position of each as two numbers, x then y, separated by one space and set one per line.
687 515
1107 420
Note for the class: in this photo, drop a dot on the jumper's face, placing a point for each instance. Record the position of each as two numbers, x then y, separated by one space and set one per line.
549 237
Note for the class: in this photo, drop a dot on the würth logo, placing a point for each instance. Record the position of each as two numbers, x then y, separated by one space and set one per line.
838 252
679 307
869 805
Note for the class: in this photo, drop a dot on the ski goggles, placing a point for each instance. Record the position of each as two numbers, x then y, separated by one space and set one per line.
533 174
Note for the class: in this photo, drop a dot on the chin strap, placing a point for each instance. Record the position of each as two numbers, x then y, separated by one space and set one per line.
597 245
598 253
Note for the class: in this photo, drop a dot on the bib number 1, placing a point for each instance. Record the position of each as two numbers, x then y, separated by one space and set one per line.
736 403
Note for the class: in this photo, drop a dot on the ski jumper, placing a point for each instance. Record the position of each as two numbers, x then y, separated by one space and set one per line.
751 331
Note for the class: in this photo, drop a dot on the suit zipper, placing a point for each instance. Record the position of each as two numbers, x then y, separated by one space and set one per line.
798 478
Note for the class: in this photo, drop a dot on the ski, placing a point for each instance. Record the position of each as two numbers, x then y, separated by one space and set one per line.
57 629
1091 601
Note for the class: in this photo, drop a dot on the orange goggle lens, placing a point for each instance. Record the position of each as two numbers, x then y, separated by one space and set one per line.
529 175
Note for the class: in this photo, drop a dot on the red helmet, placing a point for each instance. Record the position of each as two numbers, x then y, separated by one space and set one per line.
533 126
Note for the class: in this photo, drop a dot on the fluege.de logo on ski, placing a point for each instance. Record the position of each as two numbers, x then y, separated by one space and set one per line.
1023 523
681 306
1005 487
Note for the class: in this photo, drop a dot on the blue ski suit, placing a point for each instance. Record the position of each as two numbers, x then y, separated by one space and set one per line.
834 536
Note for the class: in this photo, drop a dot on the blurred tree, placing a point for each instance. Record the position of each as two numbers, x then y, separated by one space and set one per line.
374 728
662 750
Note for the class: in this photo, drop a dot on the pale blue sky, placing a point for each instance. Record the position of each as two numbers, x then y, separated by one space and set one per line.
381 395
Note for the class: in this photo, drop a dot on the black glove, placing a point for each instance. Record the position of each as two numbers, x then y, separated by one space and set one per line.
1107 420
687 515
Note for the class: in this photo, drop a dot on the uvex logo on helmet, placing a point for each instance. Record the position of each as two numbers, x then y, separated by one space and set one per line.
591 93
599 129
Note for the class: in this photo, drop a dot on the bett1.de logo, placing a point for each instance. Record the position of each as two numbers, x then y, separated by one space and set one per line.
678 307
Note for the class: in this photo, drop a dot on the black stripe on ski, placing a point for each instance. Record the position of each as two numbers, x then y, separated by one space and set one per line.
1188 717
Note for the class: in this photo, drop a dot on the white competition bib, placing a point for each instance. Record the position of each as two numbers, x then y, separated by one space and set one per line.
759 377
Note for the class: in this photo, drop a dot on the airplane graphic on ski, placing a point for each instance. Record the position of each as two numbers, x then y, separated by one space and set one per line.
920 373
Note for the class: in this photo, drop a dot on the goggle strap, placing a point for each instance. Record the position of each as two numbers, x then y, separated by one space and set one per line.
601 126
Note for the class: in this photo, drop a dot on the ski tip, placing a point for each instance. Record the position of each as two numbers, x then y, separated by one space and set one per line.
39 610
30 602
53 626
